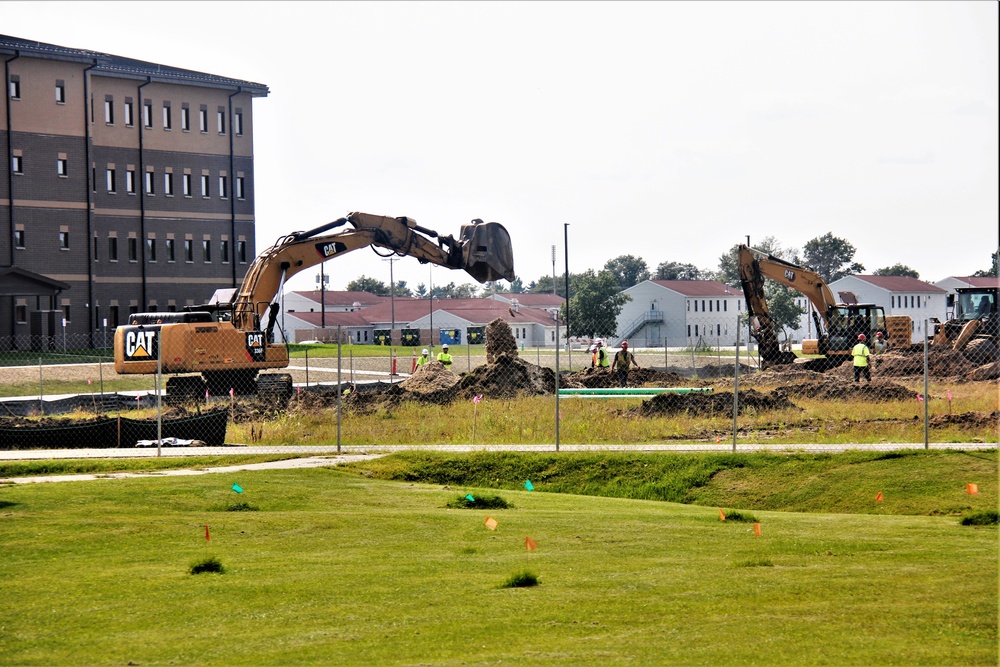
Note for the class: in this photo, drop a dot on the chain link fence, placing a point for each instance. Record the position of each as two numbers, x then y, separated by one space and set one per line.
709 389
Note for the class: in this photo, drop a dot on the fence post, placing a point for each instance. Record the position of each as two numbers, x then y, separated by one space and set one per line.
339 387
159 384
41 405
736 387
307 364
557 385
927 398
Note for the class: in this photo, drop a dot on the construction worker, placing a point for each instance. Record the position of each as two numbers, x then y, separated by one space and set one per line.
861 354
602 355
424 357
881 344
624 360
444 357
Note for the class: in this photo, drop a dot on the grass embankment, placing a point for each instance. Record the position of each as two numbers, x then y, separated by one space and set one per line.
911 482
338 568
34 468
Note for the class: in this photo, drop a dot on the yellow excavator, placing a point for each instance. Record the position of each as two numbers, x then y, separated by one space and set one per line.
837 324
222 347
975 327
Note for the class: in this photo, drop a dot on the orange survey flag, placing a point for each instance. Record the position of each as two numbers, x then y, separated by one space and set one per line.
878 497
722 515
530 544
491 523
972 489
756 529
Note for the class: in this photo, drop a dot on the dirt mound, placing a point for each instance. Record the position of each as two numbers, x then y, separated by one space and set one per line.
429 378
592 378
499 341
967 419
717 405
507 377
833 388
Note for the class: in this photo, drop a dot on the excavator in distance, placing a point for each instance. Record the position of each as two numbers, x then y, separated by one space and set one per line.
837 324
221 348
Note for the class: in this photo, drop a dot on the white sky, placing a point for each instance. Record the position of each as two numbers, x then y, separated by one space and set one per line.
665 130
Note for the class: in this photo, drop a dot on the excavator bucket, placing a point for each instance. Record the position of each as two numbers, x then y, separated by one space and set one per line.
968 331
486 251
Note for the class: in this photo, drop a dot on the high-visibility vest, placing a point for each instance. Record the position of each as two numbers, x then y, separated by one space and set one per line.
860 353
421 360
444 358
602 358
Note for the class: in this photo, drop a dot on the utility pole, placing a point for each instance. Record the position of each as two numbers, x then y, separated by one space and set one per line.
553 270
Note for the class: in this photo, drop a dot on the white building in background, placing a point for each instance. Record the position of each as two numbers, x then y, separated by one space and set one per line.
679 313
898 295
950 283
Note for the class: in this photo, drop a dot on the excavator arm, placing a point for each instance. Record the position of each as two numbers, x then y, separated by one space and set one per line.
754 267
483 250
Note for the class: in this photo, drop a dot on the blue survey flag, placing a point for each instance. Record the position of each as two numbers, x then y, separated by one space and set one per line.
529 486
470 498
237 488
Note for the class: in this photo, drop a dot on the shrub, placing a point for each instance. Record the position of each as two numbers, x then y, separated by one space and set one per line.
211 564
985 518
733 515
521 580
241 507
480 503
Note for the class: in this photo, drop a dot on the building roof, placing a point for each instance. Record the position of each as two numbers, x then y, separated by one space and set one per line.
480 311
112 65
342 298
897 284
979 281
712 288
530 300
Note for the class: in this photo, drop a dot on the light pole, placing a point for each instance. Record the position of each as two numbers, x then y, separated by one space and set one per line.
553 270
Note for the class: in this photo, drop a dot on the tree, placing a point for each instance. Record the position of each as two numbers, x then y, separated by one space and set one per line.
465 291
782 307
366 284
678 271
421 290
897 270
831 257
596 302
627 270
494 287
400 289
517 287
994 271
729 270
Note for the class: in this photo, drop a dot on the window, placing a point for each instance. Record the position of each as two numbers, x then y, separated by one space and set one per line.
151 249
147 114
133 249
241 251
696 305
62 167
150 186
60 92
725 306
240 194
14 87
129 112
112 186
18 238
204 186
186 118
130 181
170 249
65 311
188 250
17 164
206 250
64 240
187 185
113 319
112 248
221 120
238 123
689 331
222 187
95 248
109 110
203 118
168 184
224 251
167 124
21 313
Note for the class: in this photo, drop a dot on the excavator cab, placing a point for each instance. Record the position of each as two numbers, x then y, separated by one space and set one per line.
486 251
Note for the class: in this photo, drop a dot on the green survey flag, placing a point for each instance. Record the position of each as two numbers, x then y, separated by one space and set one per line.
470 498
529 486
237 488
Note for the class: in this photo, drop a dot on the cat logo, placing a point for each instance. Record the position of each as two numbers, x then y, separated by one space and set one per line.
328 250
790 275
140 344
256 349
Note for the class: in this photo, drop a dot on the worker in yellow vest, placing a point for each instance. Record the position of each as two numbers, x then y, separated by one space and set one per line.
861 354
423 358
444 357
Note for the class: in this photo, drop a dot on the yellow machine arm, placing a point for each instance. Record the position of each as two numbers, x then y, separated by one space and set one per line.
483 250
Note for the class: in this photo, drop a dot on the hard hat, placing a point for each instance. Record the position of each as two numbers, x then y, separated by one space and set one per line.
878 334
624 343
861 337
445 346
426 351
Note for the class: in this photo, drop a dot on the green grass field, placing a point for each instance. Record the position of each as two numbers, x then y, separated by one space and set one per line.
341 567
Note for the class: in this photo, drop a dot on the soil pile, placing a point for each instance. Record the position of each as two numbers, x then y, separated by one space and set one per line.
592 378
711 405
833 388
430 378
507 377
499 341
